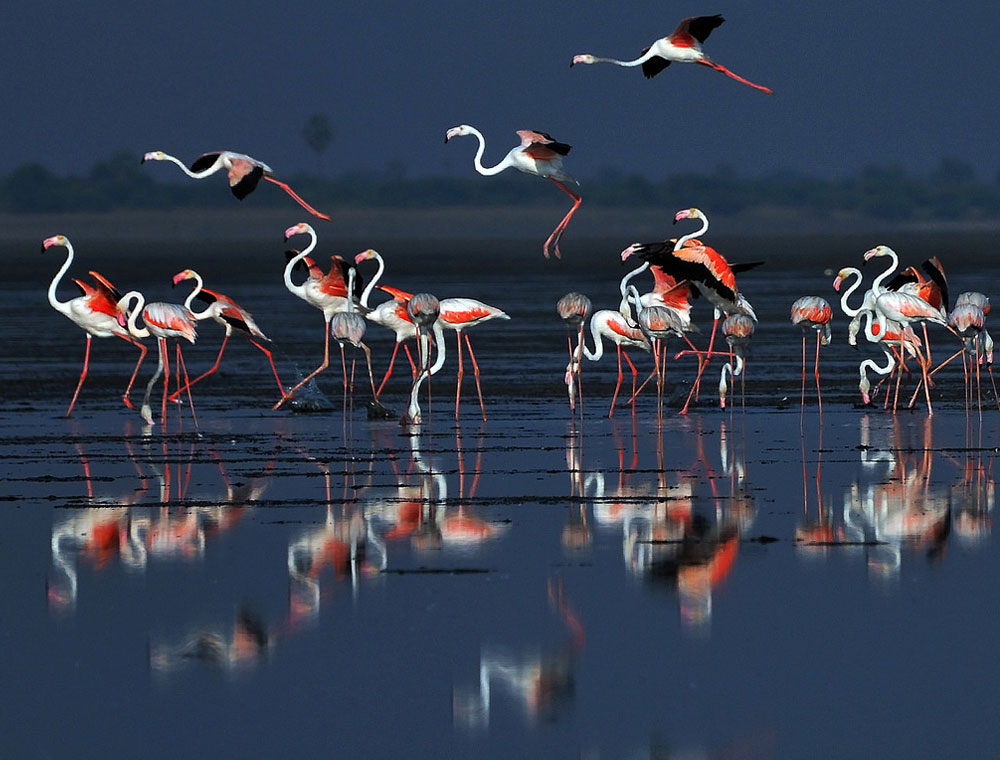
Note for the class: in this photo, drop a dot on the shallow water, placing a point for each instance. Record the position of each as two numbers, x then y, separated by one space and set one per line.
752 583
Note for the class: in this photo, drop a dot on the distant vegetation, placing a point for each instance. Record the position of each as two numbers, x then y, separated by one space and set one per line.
949 191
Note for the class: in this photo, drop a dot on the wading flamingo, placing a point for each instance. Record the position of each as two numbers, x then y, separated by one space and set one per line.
423 310
244 173
94 312
573 309
163 321
683 46
538 154
458 314
615 327
231 316
737 329
812 313
349 327
328 293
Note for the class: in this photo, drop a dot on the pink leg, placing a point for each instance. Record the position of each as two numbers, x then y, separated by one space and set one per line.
693 393
187 384
135 372
819 391
553 239
461 372
83 376
475 374
320 368
267 353
166 379
802 399
614 398
388 372
176 394
635 375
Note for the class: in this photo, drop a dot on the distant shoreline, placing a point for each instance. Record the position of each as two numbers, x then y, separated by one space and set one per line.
447 223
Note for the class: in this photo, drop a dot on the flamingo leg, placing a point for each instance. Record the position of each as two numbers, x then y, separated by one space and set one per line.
475 374
635 375
702 364
270 359
371 377
461 372
83 376
176 394
553 239
819 391
146 411
166 380
388 372
320 368
719 67
187 383
135 372
296 197
611 412
802 399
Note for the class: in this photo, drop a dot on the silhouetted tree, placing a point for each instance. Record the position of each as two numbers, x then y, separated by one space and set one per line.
318 133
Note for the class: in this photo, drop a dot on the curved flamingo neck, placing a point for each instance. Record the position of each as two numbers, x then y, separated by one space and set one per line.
877 288
61 306
196 175
478 160
198 284
374 280
350 290
697 233
598 351
439 346
852 271
299 289
623 287
140 299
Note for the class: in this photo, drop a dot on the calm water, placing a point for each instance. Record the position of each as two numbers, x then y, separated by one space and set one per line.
728 584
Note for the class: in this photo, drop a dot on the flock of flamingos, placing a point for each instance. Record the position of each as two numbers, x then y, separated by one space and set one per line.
895 303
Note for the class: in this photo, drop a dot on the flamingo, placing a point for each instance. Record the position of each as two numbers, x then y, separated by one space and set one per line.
328 294
657 323
459 314
621 331
391 314
812 313
905 309
737 329
349 326
230 315
94 312
423 310
573 309
244 173
163 321
704 267
969 321
538 154
682 46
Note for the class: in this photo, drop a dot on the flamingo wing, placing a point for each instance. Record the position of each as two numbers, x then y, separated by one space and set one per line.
695 28
654 65
396 293
206 161
537 144
244 177
935 271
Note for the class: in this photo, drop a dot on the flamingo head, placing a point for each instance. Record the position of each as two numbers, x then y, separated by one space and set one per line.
187 274
461 129
54 240
153 155
879 250
371 253
687 213
839 279
584 58
630 250
864 386
302 228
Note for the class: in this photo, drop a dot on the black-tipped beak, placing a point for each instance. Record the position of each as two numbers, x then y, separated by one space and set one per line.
142 160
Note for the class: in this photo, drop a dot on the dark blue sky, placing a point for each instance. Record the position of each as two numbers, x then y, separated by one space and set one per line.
855 83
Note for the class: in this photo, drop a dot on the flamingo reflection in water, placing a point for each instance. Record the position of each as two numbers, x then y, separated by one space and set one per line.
540 682
247 643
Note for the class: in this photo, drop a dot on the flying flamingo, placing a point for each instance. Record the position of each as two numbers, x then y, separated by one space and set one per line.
459 314
573 309
328 294
737 329
812 313
538 154
706 269
163 321
683 46
391 314
244 173
230 315
94 312
613 326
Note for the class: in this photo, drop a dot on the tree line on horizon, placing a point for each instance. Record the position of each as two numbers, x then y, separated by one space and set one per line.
949 191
